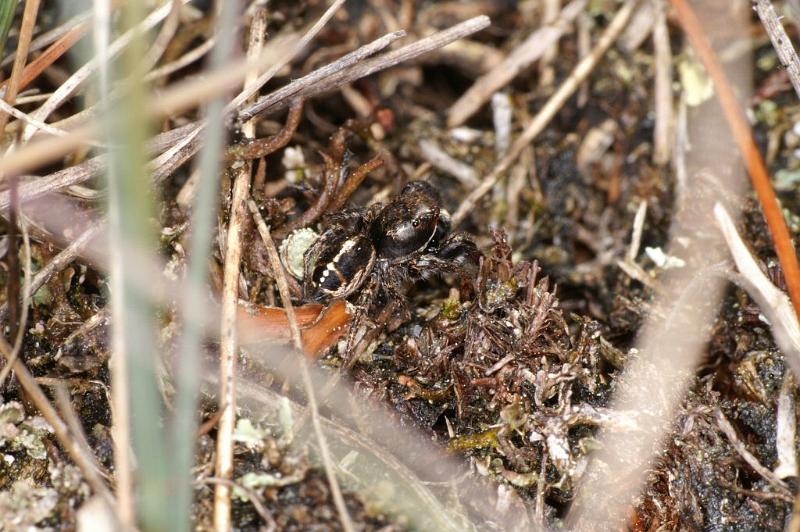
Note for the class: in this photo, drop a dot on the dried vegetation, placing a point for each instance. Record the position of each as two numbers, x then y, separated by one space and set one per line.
510 371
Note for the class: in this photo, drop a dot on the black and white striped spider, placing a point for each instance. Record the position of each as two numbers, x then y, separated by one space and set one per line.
379 250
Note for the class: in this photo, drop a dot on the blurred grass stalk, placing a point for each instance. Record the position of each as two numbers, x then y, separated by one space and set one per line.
186 371
138 406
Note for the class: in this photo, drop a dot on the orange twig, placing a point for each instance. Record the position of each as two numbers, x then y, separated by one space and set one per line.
747 145
51 55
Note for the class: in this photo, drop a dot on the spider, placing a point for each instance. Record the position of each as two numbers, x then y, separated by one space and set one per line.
384 247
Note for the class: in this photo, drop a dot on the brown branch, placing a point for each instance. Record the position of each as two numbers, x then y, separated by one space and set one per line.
313 213
258 148
748 147
355 180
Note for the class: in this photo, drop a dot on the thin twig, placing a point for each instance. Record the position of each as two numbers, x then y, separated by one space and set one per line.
440 159
164 37
228 346
257 148
85 72
252 88
52 54
780 41
662 93
370 66
354 181
549 110
726 427
523 55
344 62
185 95
228 337
747 145
25 32
773 302
327 461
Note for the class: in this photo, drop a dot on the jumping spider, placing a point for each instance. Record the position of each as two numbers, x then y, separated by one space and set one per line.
383 247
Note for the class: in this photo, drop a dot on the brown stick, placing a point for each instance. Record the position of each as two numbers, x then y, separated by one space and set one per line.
355 180
258 148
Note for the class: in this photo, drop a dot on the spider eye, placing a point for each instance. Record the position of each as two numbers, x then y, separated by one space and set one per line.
415 223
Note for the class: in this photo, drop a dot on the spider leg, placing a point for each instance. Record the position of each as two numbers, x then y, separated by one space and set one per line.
360 313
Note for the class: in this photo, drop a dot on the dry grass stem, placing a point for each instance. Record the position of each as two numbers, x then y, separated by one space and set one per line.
295 87
536 45
68 88
773 302
228 350
25 33
297 340
51 55
438 158
662 54
726 427
780 41
230 289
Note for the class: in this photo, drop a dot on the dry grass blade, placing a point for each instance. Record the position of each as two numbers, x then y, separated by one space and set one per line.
381 62
230 290
52 54
663 131
346 61
66 89
773 302
26 31
549 110
189 94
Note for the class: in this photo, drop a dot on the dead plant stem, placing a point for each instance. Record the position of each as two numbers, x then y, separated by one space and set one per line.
297 340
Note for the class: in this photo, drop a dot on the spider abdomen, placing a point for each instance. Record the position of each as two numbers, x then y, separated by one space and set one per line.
337 264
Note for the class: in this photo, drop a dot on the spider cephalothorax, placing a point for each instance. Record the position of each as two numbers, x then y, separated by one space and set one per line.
408 237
